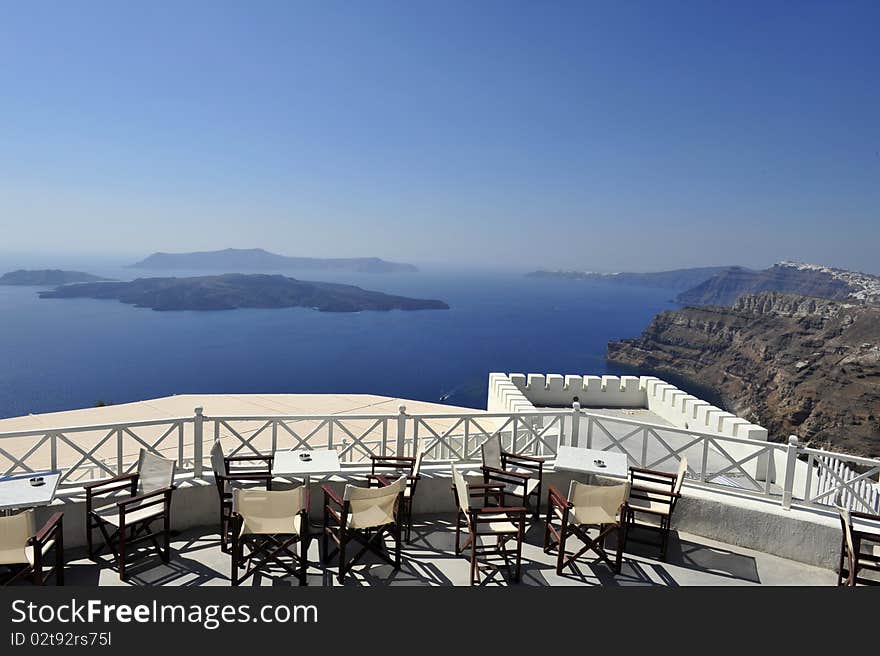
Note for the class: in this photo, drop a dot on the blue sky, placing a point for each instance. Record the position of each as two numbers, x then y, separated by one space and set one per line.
606 136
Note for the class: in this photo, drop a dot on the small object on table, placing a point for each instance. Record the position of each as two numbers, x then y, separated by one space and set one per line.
591 461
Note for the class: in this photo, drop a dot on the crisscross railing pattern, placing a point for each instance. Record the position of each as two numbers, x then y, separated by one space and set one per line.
786 472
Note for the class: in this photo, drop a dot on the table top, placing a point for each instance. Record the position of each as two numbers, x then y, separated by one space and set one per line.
17 491
289 463
576 459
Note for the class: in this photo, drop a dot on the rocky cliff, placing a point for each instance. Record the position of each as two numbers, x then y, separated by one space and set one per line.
795 364
725 287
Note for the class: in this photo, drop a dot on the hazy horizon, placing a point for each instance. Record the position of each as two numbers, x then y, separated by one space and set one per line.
518 136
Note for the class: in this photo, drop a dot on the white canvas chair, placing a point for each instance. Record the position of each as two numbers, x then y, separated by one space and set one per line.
266 524
384 469
600 507
522 475
227 477
366 515
24 550
132 519
654 493
486 521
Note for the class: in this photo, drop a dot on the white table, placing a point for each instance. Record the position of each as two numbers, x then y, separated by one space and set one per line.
584 461
289 464
17 491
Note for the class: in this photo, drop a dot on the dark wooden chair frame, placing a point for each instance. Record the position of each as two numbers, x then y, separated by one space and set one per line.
555 538
507 476
393 464
266 549
336 513
119 541
489 493
654 479
249 475
53 529
851 564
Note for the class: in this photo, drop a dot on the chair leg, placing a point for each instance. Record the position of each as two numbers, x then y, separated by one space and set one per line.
840 564
397 538
342 543
560 557
458 533
236 549
304 559
121 547
664 526
89 543
473 558
166 552
519 541
59 556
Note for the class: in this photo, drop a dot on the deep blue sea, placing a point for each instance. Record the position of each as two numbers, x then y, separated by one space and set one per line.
58 354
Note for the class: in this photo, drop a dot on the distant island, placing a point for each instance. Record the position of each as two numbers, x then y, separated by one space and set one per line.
236 290
675 279
257 259
46 277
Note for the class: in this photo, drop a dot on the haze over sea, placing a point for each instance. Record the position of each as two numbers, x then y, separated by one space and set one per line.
58 354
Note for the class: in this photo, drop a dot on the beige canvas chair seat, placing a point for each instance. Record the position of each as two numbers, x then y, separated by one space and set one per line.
503 523
653 504
24 550
266 524
367 515
111 515
496 525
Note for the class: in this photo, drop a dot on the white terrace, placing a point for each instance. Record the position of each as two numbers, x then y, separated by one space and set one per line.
743 493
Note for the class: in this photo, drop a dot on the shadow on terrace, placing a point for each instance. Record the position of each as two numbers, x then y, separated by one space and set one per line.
430 560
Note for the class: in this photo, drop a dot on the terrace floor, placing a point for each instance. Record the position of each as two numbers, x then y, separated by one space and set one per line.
430 561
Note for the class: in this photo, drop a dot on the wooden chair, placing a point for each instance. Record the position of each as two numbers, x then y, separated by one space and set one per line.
493 521
135 516
24 550
227 478
386 468
521 475
365 515
268 524
600 507
853 558
654 493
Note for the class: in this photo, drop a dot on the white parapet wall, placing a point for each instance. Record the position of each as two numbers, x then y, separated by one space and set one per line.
519 392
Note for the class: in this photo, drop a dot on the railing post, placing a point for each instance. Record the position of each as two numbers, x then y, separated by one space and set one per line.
575 423
790 464
198 436
401 431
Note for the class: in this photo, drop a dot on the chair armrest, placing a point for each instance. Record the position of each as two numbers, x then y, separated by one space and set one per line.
256 476
485 486
248 458
330 494
144 497
652 472
864 515
522 456
409 459
48 529
663 493
92 488
493 471
496 510
555 497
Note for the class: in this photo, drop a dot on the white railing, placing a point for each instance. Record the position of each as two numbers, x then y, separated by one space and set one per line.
785 473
